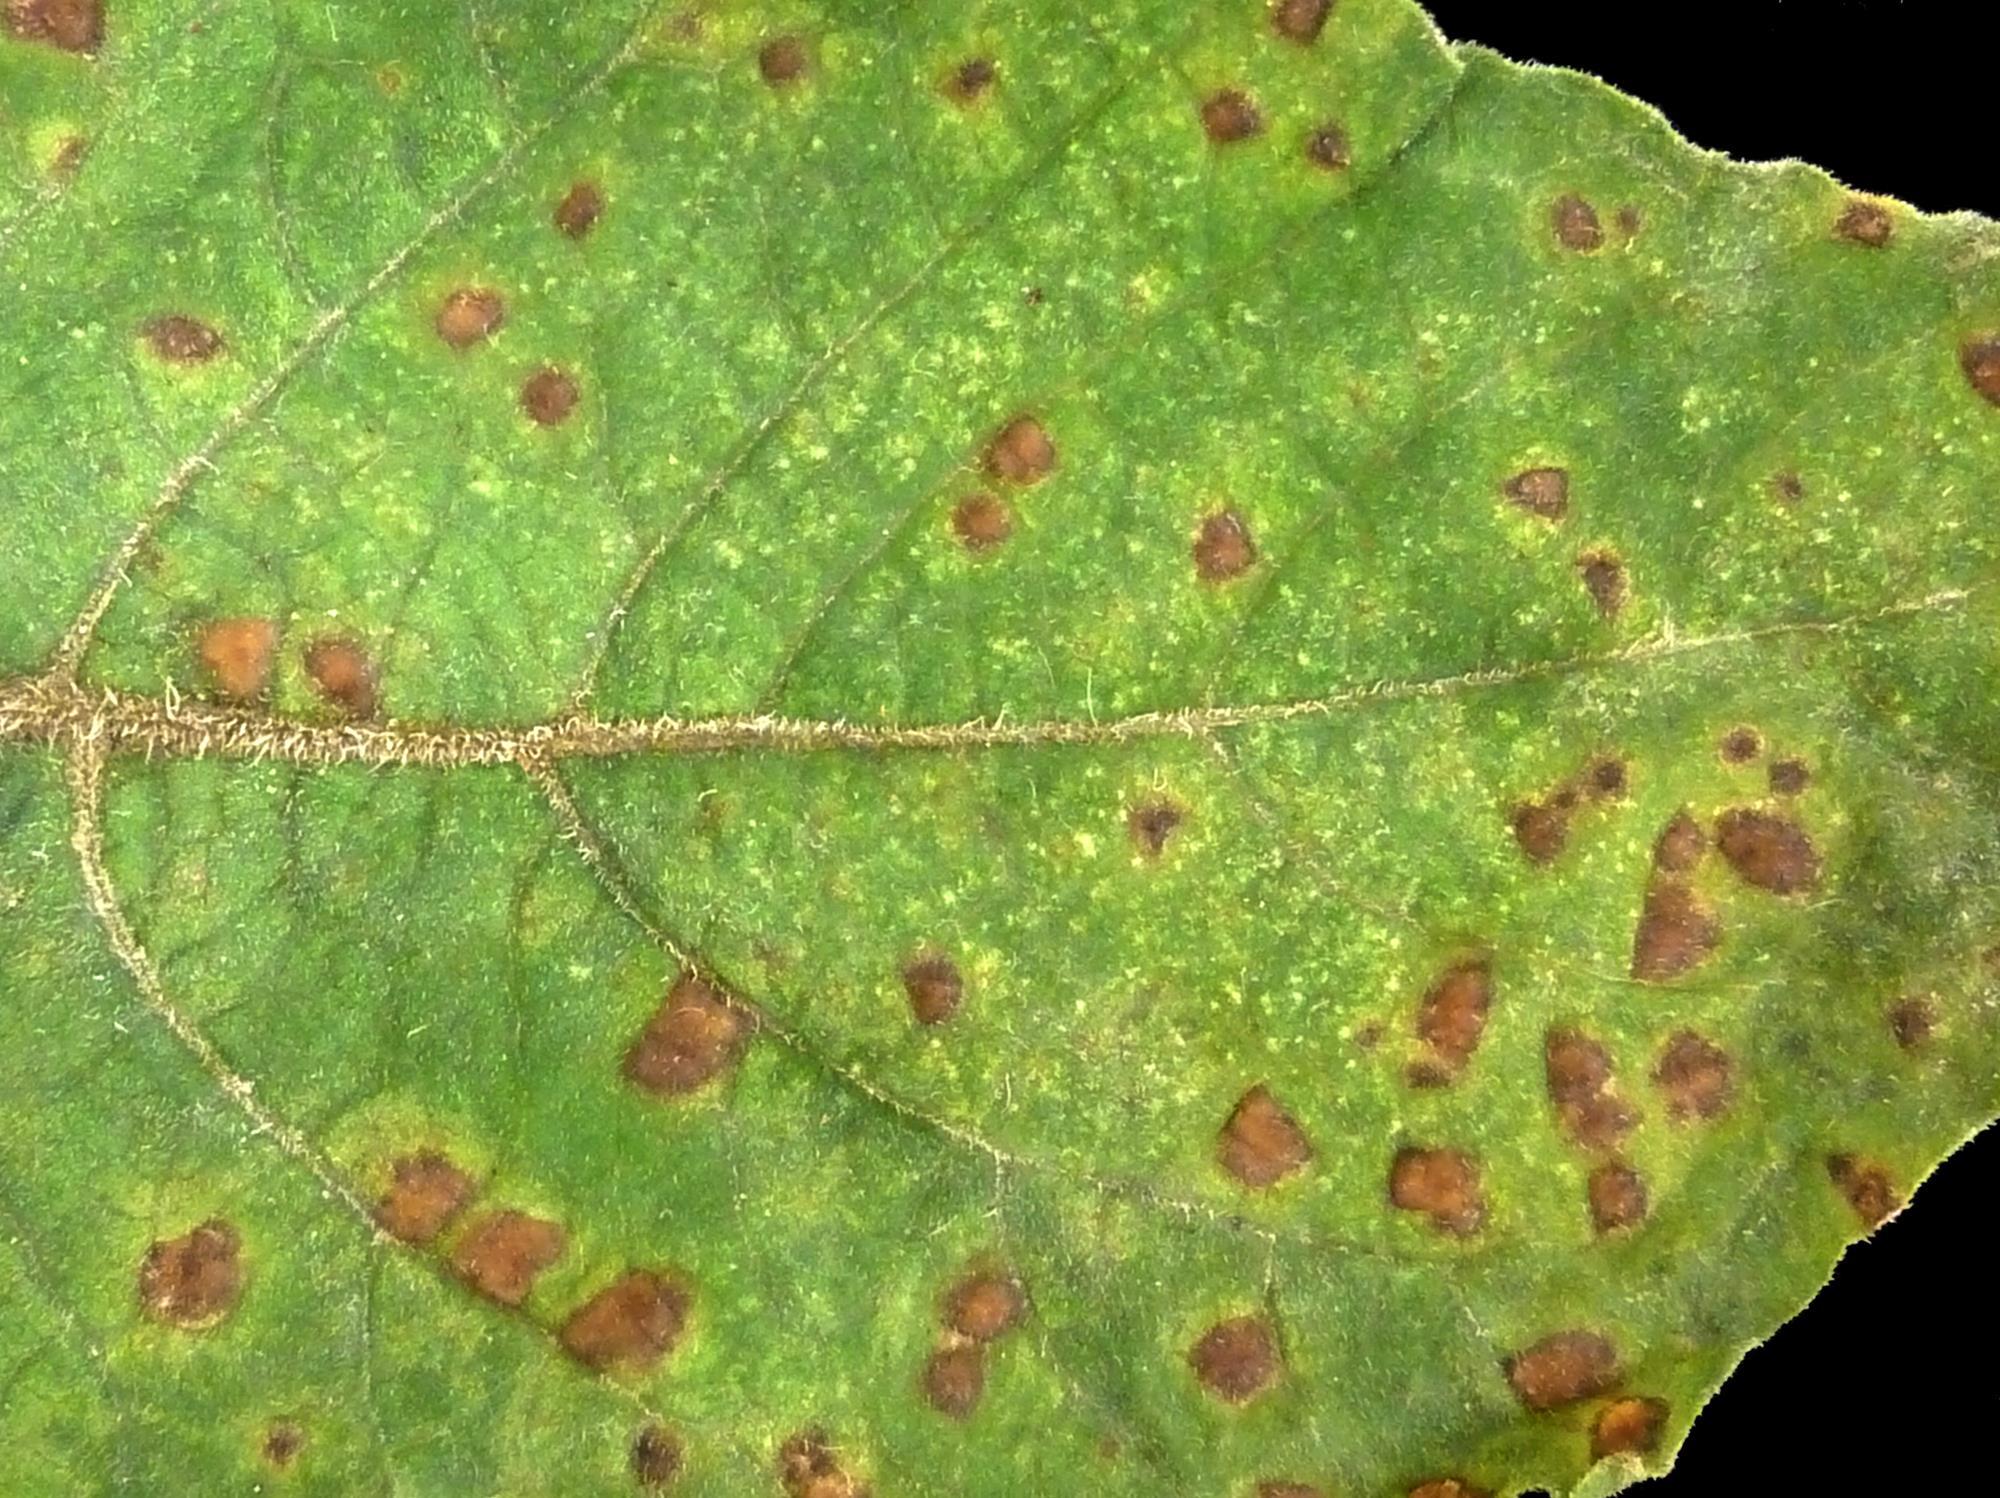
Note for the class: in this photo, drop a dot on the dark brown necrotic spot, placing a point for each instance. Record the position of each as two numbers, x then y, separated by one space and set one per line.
426 1191
1866 223
693 1037
1020 453
1540 491
971 80
1605 581
470 315
1627 1426
1979 359
810 1467
1575 223
1448 1487
1630 220
1617 1196
1327 148
1151 823
1766 850
1229 115
580 209
1790 777
1223 548
981 521
237 655
783 60
954 1378
631 1323
656 1456
503 1253
1542 827
1866 1186
1607 778
1740 745
1300 21
1677 931
1260 1143
983 1305
342 673
1562 1369
1696 1077
1236 1359
1912 1021
1681 845
1579 1081
177 338
1443 1184
549 396
192 1281
71 25
935 987
1451 1020
282 1443
1787 488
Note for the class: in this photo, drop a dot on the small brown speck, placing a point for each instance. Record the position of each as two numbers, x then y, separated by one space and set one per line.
1605 581
1866 1186
176 338
68 25
1235 1359
237 654
1228 115
283 1441
1740 745
1578 1071
693 1038
1912 1021
1020 453
783 60
810 1467
954 1378
342 673
656 1456
549 396
935 988
1443 1184
1865 223
1261 1143
1677 930
1300 21
1328 149
972 79
631 1323
981 522
1979 358
1787 488
1681 844
1769 851
1540 491
580 209
1617 1195
195 1280
984 1305
1151 823
1790 777
1575 224
470 315
1223 548
1562 1369
503 1253
426 1191
1627 1425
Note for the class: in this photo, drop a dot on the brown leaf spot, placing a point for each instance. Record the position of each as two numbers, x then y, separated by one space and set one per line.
1790 777
342 673
1260 1143
176 338
1229 115
470 315
549 396
282 1443
1448 1487
783 60
982 521
954 1378
983 1305
1866 223
1605 581
1278 1487
237 655
1541 828
1327 148
935 987
71 25
1627 1425
631 1323
192 1281
580 209
1575 223
1608 778
1681 845
1562 1369
1236 1359
1540 491
1579 1080
1300 21
1912 1021
1151 823
1697 1077
1617 1196
693 1037
809 1467
1740 745
503 1252
68 158
1020 452
1677 930
1630 220
1979 358
1223 548
656 1456
1451 1020
426 1191
971 80
1766 850
1866 1186
1443 1184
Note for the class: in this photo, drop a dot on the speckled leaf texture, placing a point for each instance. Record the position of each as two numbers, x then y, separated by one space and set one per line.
832 748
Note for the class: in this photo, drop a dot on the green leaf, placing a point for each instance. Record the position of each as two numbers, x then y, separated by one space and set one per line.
955 750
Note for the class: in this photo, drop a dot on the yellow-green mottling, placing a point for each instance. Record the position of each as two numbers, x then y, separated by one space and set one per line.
1531 452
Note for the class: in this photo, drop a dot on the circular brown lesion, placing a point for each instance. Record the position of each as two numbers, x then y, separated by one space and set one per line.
1229 116
784 61
195 1280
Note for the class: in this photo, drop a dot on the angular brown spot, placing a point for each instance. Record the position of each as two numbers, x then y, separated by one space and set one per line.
1236 1359
502 1253
1627 1426
1020 452
1680 846
68 158
1617 1195
580 209
1605 581
177 338
549 396
1151 823
971 80
1575 223
1866 1186
1540 491
982 521
1229 115
1606 778
1327 148
1769 851
192 1281
1790 777
426 1191
985 1304
1541 828
1740 745
1630 220
693 1037
656 1456
237 654
1562 1369
1300 21
282 1443
1677 931
1443 1184
1979 358
1697 1076
1912 1021
809 1467
470 315
954 1378
1787 488
783 60
1260 1143
631 1323
1579 1080
1866 223
1448 1487
1223 548
343 674
71 25
935 987
1451 1020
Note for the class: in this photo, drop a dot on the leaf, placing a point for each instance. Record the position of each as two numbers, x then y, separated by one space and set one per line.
971 750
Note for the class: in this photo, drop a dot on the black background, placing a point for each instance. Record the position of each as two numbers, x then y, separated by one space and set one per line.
1888 1383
